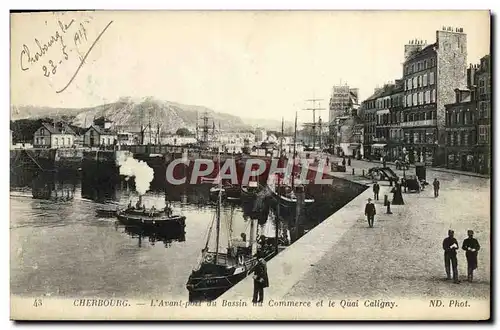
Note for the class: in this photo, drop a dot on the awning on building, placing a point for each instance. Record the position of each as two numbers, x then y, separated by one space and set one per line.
354 145
378 145
383 112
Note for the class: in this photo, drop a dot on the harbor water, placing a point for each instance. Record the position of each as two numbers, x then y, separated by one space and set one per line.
62 248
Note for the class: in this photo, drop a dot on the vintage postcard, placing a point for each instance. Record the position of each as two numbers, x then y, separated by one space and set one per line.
250 165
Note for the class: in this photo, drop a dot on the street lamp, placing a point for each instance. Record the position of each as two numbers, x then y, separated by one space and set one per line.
404 162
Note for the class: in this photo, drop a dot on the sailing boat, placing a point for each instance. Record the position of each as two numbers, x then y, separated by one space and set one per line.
249 191
228 190
217 272
286 195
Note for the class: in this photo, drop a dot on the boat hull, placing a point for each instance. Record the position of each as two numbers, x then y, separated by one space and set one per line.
148 223
210 288
249 194
105 213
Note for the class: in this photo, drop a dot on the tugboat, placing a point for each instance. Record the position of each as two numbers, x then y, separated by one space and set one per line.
151 219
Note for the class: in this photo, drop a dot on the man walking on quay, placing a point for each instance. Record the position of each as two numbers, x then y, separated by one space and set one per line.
370 212
376 189
450 247
471 246
436 187
260 281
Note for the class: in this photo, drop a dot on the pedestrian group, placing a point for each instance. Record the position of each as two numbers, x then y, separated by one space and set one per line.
450 246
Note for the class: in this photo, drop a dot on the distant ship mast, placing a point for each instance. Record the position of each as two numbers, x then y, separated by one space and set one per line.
313 124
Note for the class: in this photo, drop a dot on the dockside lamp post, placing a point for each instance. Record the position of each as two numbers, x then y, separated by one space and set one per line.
404 161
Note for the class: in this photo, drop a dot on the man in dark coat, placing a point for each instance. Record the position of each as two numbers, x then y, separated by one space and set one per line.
349 161
450 247
376 189
370 212
471 246
436 187
260 281
343 161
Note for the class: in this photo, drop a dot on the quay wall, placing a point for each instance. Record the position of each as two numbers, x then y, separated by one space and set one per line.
290 265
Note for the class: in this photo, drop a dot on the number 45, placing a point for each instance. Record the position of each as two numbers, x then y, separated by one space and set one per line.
37 303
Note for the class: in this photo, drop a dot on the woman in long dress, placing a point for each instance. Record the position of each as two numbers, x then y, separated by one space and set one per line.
397 198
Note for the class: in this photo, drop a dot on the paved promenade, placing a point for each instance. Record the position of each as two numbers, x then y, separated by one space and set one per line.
401 256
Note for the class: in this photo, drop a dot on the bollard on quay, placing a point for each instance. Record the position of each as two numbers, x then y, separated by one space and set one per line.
386 200
388 207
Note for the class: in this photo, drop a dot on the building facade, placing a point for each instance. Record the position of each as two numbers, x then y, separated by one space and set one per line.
431 73
382 117
483 83
260 135
342 102
97 136
52 136
350 135
461 131
468 122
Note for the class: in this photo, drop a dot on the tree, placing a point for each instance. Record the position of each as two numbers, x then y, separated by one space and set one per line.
183 132
24 129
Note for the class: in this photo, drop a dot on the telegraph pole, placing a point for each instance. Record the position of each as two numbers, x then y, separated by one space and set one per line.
314 109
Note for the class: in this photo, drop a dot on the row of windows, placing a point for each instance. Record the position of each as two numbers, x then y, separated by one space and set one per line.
425 137
411 137
484 109
461 138
399 117
484 134
57 141
459 117
484 86
420 81
107 141
420 98
419 66
40 141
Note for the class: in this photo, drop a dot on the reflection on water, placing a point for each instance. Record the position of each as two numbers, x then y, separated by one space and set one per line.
63 247
152 236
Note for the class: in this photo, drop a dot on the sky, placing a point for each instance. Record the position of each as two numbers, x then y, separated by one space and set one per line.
251 64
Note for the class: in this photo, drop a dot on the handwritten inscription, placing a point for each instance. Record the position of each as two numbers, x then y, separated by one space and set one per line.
82 60
70 37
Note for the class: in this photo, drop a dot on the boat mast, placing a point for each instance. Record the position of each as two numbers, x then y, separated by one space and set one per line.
277 217
294 147
219 201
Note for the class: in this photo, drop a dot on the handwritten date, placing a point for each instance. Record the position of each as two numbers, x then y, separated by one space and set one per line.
29 59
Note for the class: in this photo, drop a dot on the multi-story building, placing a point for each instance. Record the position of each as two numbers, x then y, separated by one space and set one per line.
461 131
342 101
483 83
260 135
431 73
350 135
468 145
381 113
